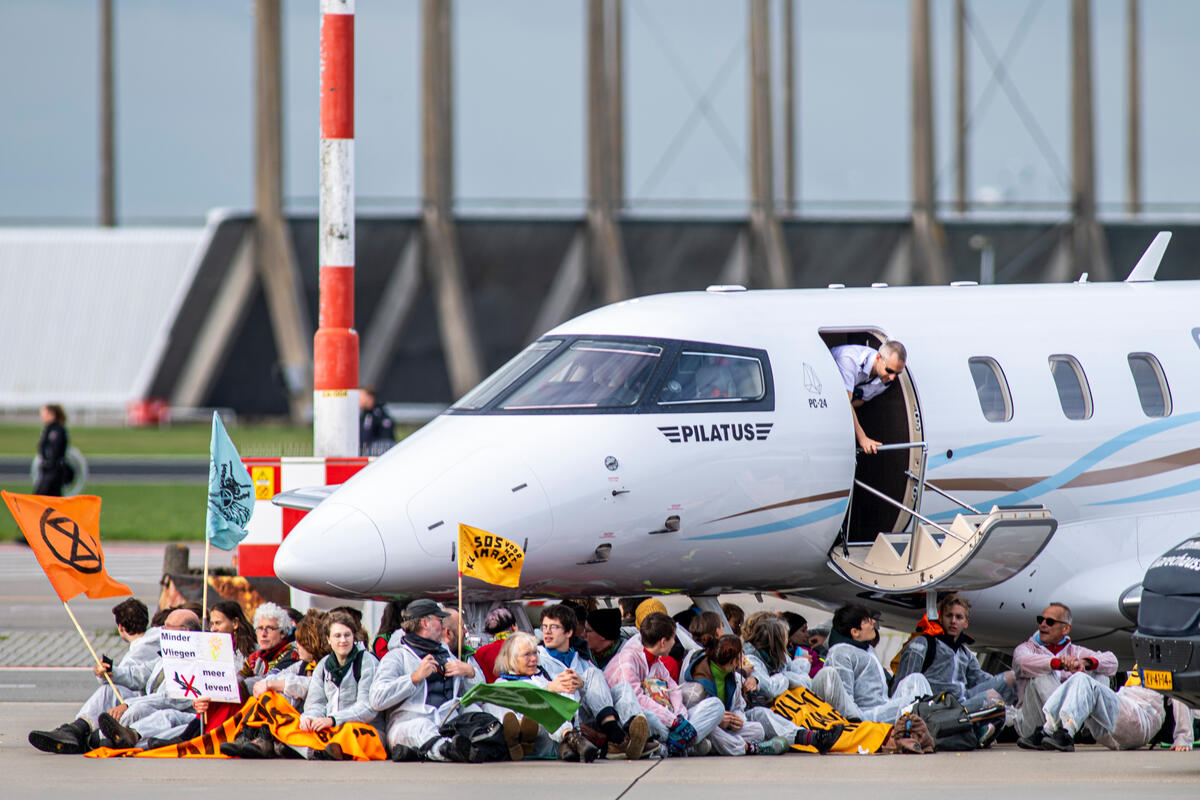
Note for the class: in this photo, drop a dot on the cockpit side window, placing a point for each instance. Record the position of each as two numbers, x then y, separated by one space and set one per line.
700 377
1151 383
590 374
1074 394
995 400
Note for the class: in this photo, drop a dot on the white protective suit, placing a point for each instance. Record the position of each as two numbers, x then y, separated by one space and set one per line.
1122 720
854 683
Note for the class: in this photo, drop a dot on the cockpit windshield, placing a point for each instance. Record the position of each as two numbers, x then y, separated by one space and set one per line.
589 374
502 378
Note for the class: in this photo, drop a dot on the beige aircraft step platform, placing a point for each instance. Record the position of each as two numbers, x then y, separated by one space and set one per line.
980 551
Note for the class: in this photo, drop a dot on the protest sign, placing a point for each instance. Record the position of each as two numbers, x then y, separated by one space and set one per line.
199 664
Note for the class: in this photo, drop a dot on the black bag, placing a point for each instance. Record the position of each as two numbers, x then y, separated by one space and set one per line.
948 722
483 731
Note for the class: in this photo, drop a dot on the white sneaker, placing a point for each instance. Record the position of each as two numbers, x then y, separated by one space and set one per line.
701 748
773 747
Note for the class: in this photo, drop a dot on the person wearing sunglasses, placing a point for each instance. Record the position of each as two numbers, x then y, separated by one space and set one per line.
1042 663
866 373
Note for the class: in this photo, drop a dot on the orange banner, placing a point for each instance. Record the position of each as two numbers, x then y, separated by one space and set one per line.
809 711
64 534
358 740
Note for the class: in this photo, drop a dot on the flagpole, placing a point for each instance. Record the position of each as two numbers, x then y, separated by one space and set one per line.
91 650
461 626
204 594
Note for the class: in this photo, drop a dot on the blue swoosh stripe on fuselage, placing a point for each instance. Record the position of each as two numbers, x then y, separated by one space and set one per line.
1170 491
1084 463
832 510
939 459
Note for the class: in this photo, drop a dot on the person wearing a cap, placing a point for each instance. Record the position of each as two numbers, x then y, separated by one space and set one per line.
602 630
853 680
418 684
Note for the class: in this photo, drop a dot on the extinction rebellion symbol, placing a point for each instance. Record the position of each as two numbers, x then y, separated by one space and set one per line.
83 555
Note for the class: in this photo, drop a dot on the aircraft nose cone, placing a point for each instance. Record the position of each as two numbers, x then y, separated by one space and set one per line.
334 546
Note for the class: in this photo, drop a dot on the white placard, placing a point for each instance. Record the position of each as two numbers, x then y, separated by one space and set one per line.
199 664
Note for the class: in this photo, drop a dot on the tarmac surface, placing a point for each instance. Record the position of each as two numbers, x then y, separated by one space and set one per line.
34 631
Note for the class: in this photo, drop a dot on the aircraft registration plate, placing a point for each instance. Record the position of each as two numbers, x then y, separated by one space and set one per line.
1156 679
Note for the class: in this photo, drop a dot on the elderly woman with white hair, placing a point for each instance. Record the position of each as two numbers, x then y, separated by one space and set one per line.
276 650
518 661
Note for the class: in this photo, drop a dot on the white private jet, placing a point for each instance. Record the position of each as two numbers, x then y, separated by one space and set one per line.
1044 445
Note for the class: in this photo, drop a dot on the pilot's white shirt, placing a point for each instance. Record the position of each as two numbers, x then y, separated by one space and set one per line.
855 361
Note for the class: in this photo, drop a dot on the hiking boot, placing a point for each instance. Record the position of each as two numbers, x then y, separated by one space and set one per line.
251 743
456 750
1033 741
775 746
824 740
584 750
124 736
402 752
332 752
1060 740
635 741
68 739
512 736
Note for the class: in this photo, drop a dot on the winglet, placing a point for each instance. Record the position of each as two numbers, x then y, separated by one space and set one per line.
1147 266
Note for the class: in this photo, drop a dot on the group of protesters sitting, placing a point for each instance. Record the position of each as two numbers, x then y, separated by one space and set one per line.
647 685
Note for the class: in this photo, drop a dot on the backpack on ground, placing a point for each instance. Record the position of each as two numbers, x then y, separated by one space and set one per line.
484 731
910 735
948 721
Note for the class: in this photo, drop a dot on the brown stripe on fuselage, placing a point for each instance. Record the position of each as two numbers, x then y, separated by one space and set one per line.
810 499
1143 469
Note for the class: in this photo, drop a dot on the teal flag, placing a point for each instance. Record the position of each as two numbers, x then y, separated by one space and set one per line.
550 709
230 491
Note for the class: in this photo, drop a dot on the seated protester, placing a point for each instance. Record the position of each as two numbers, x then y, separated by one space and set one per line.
558 655
1045 660
705 628
227 616
684 643
767 659
519 661
312 644
84 732
853 680
818 636
735 616
276 649
628 606
713 672
639 668
950 666
602 631
418 684
388 623
454 635
1126 719
132 618
798 642
500 624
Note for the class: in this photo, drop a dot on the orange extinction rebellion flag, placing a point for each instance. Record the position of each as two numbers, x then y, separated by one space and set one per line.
491 558
64 534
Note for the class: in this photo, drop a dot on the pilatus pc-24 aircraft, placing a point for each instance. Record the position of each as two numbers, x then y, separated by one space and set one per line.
1045 445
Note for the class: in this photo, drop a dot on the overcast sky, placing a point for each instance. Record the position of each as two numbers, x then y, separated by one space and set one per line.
185 92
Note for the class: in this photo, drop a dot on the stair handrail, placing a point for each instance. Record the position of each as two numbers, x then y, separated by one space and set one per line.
944 494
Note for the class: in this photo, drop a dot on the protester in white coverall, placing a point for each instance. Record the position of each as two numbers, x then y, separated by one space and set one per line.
418 684
1125 719
853 680
1043 661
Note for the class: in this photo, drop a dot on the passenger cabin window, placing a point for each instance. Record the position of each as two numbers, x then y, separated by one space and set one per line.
991 387
700 377
1151 383
502 378
589 374
1074 395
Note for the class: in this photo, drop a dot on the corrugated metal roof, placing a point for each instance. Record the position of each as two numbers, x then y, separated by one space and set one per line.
84 312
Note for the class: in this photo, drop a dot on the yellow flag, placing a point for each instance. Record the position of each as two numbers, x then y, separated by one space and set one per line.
491 558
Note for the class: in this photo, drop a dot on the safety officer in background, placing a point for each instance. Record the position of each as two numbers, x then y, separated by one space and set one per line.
377 431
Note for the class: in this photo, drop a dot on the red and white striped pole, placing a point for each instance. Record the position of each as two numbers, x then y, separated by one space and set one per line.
335 346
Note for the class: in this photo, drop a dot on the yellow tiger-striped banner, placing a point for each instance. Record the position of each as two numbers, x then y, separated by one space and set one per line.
359 741
809 711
